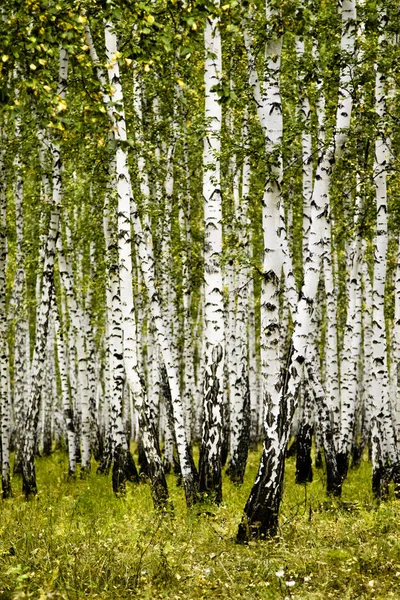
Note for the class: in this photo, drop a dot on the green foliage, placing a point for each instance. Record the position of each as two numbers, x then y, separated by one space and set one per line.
76 540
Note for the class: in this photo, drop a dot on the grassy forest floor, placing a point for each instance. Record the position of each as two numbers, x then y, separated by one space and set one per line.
75 540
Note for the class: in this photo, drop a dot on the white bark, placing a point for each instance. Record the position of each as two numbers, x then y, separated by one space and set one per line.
5 404
332 381
29 476
269 109
76 315
125 204
65 394
210 460
20 316
384 447
318 238
395 356
306 143
351 350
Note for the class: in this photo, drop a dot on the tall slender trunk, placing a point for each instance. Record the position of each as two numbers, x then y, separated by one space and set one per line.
395 362
119 448
384 445
28 469
262 508
210 478
5 404
76 315
124 200
350 358
20 319
65 393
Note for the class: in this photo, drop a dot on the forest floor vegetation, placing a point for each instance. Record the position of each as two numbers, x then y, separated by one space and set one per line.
76 540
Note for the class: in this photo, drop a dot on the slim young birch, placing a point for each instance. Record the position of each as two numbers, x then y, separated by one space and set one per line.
5 405
384 447
210 480
32 416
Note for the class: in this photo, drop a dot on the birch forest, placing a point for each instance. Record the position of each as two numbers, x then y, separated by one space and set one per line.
200 262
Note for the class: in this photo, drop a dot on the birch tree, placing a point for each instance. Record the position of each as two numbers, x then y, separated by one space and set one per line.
210 452
28 468
5 405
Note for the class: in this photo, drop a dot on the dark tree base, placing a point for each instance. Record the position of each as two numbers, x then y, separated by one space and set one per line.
291 449
260 519
29 487
319 463
6 487
333 480
342 460
85 471
159 490
78 454
106 460
191 484
47 446
143 464
167 466
177 471
224 450
17 469
191 492
235 471
357 452
131 470
210 479
380 482
258 531
237 465
98 446
119 475
304 473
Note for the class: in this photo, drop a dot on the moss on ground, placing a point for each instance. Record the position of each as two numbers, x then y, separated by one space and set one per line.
76 540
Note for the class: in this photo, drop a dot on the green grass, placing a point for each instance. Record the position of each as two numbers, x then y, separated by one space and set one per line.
76 540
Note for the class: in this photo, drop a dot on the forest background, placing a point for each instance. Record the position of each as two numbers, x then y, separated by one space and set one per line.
199 255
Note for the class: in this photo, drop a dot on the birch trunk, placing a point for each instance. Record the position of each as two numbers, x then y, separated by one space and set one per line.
28 468
124 194
210 479
76 315
384 445
350 358
262 507
5 405
65 394
20 318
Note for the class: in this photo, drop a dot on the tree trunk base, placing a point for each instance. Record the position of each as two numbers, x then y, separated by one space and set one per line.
380 482
143 464
119 471
131 470
319 463
304 472
356 455
260 519
342 460
6 487
210 479
84 473
29 487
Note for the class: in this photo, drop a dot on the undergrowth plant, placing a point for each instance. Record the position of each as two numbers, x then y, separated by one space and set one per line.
76 540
